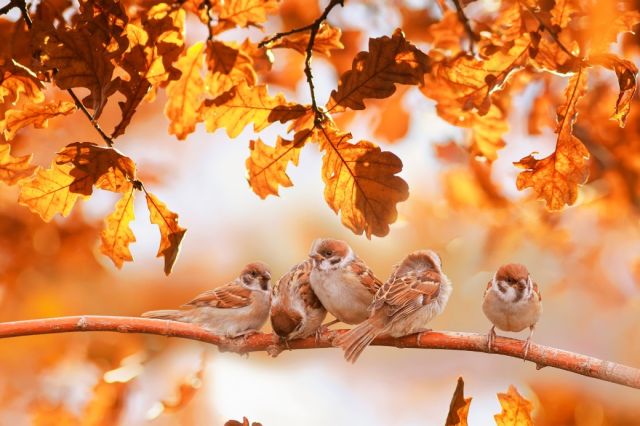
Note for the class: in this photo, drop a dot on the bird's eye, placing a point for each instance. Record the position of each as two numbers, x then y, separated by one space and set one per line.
253 274
328 252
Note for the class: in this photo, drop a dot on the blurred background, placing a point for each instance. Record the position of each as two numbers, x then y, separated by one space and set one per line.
586 260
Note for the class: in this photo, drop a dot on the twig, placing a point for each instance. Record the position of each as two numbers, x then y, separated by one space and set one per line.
94 123
542 356
20 4
313 29
462 17
207 6
549 31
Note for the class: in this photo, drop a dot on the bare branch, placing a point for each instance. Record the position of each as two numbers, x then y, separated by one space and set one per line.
542 356
462 17
107 139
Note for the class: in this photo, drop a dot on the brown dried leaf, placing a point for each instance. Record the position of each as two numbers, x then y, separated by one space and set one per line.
171 233
93 165
184 95
14 169
16 79
516 410
327 39
116 234
34 114
556 177
243 105
242 13
360 182
267 166
459 407
375 73
626 72
245 422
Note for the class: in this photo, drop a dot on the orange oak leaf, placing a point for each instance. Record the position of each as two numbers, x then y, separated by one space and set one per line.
184 95
459 407
243 105
93 165
327 39
34 114
242 13
153 47
229 64
626 72
17 80
374 74
171 234
116 234
49 191
562 12
516 410
360 182
14 169
267 166
556 178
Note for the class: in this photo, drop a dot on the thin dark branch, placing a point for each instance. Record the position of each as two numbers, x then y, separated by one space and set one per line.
462 17
549 30
20 4
94 123
542 356
207 6
313 29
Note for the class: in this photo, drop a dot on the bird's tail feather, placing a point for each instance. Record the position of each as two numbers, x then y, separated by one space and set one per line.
166 314
357 339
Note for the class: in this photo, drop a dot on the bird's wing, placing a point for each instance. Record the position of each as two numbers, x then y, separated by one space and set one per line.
406 293
229 296
366 276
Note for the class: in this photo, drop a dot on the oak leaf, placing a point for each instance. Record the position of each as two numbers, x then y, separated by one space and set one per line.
242 13
327 39
243 105
14 169
34 114
556 178
184 95
116 234
49 191
360 182
93 165
459 407
374 74
171 233
626 72
267 166
17 80
516 410
245 422
562 12
229 64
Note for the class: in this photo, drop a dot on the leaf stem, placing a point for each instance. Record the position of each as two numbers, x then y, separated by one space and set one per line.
549 31
94 123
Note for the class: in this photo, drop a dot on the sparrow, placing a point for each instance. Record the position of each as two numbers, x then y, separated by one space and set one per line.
296 312
414 294
342 281
236 309
512 302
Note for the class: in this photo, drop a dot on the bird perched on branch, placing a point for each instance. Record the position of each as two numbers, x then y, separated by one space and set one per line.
512 302
414 294
343 282
296 312
236 309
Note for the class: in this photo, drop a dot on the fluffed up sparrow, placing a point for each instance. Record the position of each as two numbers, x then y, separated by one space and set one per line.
414 294
512 302
236 309
296 312
343 282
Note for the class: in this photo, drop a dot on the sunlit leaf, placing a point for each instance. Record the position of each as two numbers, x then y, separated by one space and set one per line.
35 114
327 39
626 72
229 64
117 235
17 80
243 13
516 410
13 169
171 233
459 407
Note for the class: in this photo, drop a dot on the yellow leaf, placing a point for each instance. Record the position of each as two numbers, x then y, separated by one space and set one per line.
243 13
327 39
49 191
34 114
556 177
229 66
375 73
16 79
171 233
267 166
13 169
516 411
104 168
360 182
459 407
243 105
562 12
117 235
184 94
626 72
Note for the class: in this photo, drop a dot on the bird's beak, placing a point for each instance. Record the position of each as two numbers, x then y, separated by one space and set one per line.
316 257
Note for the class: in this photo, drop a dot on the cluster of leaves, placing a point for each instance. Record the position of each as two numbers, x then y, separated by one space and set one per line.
516 410
108 48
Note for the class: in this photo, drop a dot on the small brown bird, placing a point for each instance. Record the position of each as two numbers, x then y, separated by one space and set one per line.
512 302
414 294
296 312
342 281
236 309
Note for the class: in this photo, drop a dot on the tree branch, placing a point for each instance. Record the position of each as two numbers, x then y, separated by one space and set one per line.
542 356
462 17
107 139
